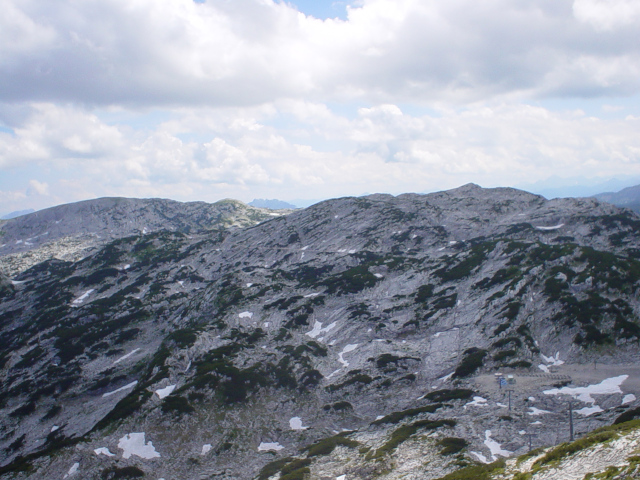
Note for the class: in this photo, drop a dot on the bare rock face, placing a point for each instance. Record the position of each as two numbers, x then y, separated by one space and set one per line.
71 232
359 338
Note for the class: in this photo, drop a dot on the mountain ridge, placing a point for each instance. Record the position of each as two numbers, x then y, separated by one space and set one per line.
383 316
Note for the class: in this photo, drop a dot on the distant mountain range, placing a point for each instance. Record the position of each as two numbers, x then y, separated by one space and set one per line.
628 198
271 204
19 213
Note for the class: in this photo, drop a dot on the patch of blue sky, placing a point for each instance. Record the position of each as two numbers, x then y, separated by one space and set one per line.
322 9
8 130
609 108
136 120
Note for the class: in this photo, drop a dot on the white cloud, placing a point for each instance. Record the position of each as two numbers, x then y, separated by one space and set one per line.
248 52
38 188
605 15
247 153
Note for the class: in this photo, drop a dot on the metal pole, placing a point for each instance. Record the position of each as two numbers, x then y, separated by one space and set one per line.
571 421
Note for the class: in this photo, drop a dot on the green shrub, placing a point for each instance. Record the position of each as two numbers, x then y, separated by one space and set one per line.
446 395
176 404
451 445
328 445
270 469
396 417
404 432
472 361
114 473
476 472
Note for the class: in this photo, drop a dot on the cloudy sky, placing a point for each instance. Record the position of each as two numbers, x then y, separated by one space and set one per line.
311 99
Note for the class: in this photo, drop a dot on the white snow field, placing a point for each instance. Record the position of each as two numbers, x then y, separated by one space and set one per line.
555 227
494 447
124 357
295 423
82 297
246 315
134 444
121 389
104 451
477 402
605 387
265 447
346 349
165 392
317 329
73 470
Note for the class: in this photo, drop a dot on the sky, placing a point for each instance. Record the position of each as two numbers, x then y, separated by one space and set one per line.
212 99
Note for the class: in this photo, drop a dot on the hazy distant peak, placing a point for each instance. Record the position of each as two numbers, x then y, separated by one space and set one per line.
17 213
273 204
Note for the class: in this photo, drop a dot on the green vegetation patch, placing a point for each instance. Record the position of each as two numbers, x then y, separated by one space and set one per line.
455 271
446 395
328 445
350 281
600 435
176 404
452 445
476 472
403 433
114 473
472 361
396 417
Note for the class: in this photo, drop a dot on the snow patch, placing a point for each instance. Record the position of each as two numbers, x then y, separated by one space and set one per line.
121 389
73 470
166 391
553 361
266 447
206 448
126 356
104 451
311 295
249 285
246 315
586 411
480 457
628 399
346 349
607 386
82 297
378 275
134 444
296 424
544 368
555 227
537 411
494 447
477 402
341 477
317 329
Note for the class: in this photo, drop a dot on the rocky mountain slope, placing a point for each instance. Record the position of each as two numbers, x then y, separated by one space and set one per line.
357 339
70 232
